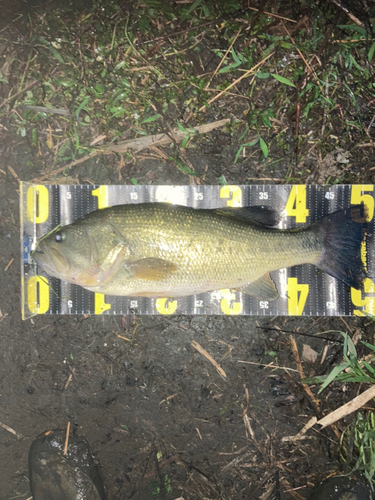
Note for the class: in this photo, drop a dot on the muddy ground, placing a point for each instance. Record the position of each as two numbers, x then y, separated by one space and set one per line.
160 419
153 408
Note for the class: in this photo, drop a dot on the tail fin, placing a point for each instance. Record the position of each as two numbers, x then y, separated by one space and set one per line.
342 234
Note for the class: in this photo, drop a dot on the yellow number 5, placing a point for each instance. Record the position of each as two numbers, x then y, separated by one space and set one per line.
358 197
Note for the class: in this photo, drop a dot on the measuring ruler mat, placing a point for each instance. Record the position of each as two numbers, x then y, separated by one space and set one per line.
303 290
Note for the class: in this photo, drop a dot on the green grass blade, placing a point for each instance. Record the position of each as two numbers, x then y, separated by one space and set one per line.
247 145
263 147
152 118
334 373
370 346
283 80
81 106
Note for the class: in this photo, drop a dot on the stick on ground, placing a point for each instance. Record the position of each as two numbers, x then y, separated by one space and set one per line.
203 351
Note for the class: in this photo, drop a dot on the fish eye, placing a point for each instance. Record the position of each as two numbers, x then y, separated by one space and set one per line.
59 236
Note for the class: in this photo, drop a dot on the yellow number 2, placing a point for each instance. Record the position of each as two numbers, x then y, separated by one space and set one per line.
234 193
228 303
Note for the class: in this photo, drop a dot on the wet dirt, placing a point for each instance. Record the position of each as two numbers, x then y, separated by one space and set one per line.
160 418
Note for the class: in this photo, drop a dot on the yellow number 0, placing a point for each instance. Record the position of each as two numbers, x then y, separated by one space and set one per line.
38 294
37 204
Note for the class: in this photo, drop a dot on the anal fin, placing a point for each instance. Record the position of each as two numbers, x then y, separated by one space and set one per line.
263 288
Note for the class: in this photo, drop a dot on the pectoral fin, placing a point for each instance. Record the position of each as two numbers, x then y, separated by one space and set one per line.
263 288
151 269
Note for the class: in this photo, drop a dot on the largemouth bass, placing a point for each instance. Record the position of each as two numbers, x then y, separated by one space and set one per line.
163 250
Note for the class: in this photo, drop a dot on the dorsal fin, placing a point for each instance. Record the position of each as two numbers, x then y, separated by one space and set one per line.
257 214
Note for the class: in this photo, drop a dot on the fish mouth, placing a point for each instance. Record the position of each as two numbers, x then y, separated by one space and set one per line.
51 260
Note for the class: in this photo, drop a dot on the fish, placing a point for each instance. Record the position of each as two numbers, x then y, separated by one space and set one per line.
163 250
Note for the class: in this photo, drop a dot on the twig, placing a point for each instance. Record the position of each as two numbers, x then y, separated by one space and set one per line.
353 41
14 173
67 439
371 122
300 435
273 15
12 431
302 374
203 351
264 179
223 58
18 93
238 80
347 11
291 491
181 32
70 165
159 139
137 145
168 398
124 338
270 365
348 408
41 109
317 336
9 264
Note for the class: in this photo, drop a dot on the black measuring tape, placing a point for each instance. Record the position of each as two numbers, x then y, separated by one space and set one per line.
303 289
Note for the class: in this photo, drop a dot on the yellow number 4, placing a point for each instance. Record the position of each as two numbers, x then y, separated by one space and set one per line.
297 296
296 204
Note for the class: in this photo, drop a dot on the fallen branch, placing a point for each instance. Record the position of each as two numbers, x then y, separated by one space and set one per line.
137 145
160 139
348 408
